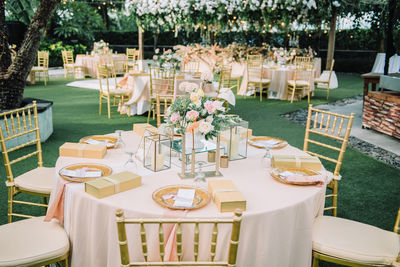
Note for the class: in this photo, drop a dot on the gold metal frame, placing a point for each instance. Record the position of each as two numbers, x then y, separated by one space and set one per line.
305 69
233 244
132 57
317 257
322 126
42 67
162 82
254 75
17 123
326 82
165 101
106 72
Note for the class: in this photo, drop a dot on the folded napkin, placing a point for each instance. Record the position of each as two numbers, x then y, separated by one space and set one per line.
299 178
123 82
267 143
81 173
97 142
170 248
56 207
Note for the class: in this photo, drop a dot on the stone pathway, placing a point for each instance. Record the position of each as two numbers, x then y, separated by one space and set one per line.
378 146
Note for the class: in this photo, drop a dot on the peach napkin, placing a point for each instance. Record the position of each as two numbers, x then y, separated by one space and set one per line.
170 230
56 207
311 179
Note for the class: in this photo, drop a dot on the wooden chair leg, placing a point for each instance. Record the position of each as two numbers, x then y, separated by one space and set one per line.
293 92
100 102
109 106
315 262
45 202
148 116
335 196
10 203
65 263
327 92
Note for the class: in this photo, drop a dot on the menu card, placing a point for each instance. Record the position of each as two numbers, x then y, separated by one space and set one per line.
184 198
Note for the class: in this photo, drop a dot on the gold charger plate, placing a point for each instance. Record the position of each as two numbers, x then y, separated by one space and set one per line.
201 197
105 170
101 138
281 144
305 172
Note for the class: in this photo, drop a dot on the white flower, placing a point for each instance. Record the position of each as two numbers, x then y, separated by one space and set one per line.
157 51
205 127
207 76
218 105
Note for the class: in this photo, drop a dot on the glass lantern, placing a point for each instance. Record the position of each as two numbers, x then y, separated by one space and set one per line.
234 140
157 152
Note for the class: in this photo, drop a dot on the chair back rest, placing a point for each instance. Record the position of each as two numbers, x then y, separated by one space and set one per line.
162 81
254 60
303 72
327 124
22 126
302 60
191 66
193 226
68 57
43 59
132 54
165 101
224 78
105 72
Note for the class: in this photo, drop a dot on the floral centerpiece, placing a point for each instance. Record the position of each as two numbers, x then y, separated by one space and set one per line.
167 59
197 113
282 55
100 48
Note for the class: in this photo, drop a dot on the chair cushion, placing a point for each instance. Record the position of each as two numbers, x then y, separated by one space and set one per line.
298 83
31 241
319 80
118 91
37 68
354 241
39 180
260 80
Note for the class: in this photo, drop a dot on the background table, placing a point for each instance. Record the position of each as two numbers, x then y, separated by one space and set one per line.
276 228
90 62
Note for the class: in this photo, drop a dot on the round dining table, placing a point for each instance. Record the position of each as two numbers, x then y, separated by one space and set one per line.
276 227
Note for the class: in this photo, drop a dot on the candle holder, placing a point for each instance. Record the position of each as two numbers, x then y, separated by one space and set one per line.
211 156
234 140
157 152
224 161
192 173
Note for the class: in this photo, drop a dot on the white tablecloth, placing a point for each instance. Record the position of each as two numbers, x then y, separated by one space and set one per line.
379 64
276 228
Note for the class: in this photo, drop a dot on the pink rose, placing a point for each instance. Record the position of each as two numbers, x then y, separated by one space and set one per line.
175 117
209 105
192 115
218 105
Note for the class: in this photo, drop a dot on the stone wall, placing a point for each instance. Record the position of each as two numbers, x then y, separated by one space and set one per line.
382 113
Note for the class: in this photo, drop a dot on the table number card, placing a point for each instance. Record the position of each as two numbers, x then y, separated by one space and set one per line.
184 198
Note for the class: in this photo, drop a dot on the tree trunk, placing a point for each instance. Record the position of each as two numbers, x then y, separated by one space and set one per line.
5 57
390 50
12 82
141 51
331 41
105 17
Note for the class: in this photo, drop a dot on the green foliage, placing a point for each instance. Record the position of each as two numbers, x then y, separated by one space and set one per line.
76 21
55 48
21 10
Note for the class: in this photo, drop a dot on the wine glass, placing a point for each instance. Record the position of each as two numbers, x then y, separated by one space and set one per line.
119 143
200 175
131 163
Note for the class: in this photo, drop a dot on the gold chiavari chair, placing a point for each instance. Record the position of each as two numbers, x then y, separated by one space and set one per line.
301 82
132 57
356 244
195 223
69 64
336 127
162 104
255 76
190 67
20 135
33 242
162 83
302 60
325 81
42 67
105 72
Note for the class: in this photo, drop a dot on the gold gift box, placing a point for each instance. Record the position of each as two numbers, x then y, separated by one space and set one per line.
123 181
226 196
291 161
139 128
83 150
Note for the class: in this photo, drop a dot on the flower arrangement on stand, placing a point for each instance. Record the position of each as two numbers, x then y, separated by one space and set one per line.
167 59
283 56
100 48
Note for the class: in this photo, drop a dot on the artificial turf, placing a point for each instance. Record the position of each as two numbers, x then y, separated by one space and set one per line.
368 192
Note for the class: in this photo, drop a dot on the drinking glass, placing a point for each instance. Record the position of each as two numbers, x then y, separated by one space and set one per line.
119 143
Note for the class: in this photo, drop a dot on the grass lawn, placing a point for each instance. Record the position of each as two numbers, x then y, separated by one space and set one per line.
368 192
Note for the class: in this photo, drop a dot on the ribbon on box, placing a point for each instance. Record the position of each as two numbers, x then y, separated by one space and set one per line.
224 190
298 161
116 184
81 149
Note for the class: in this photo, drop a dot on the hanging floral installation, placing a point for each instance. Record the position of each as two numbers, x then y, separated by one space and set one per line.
218 15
